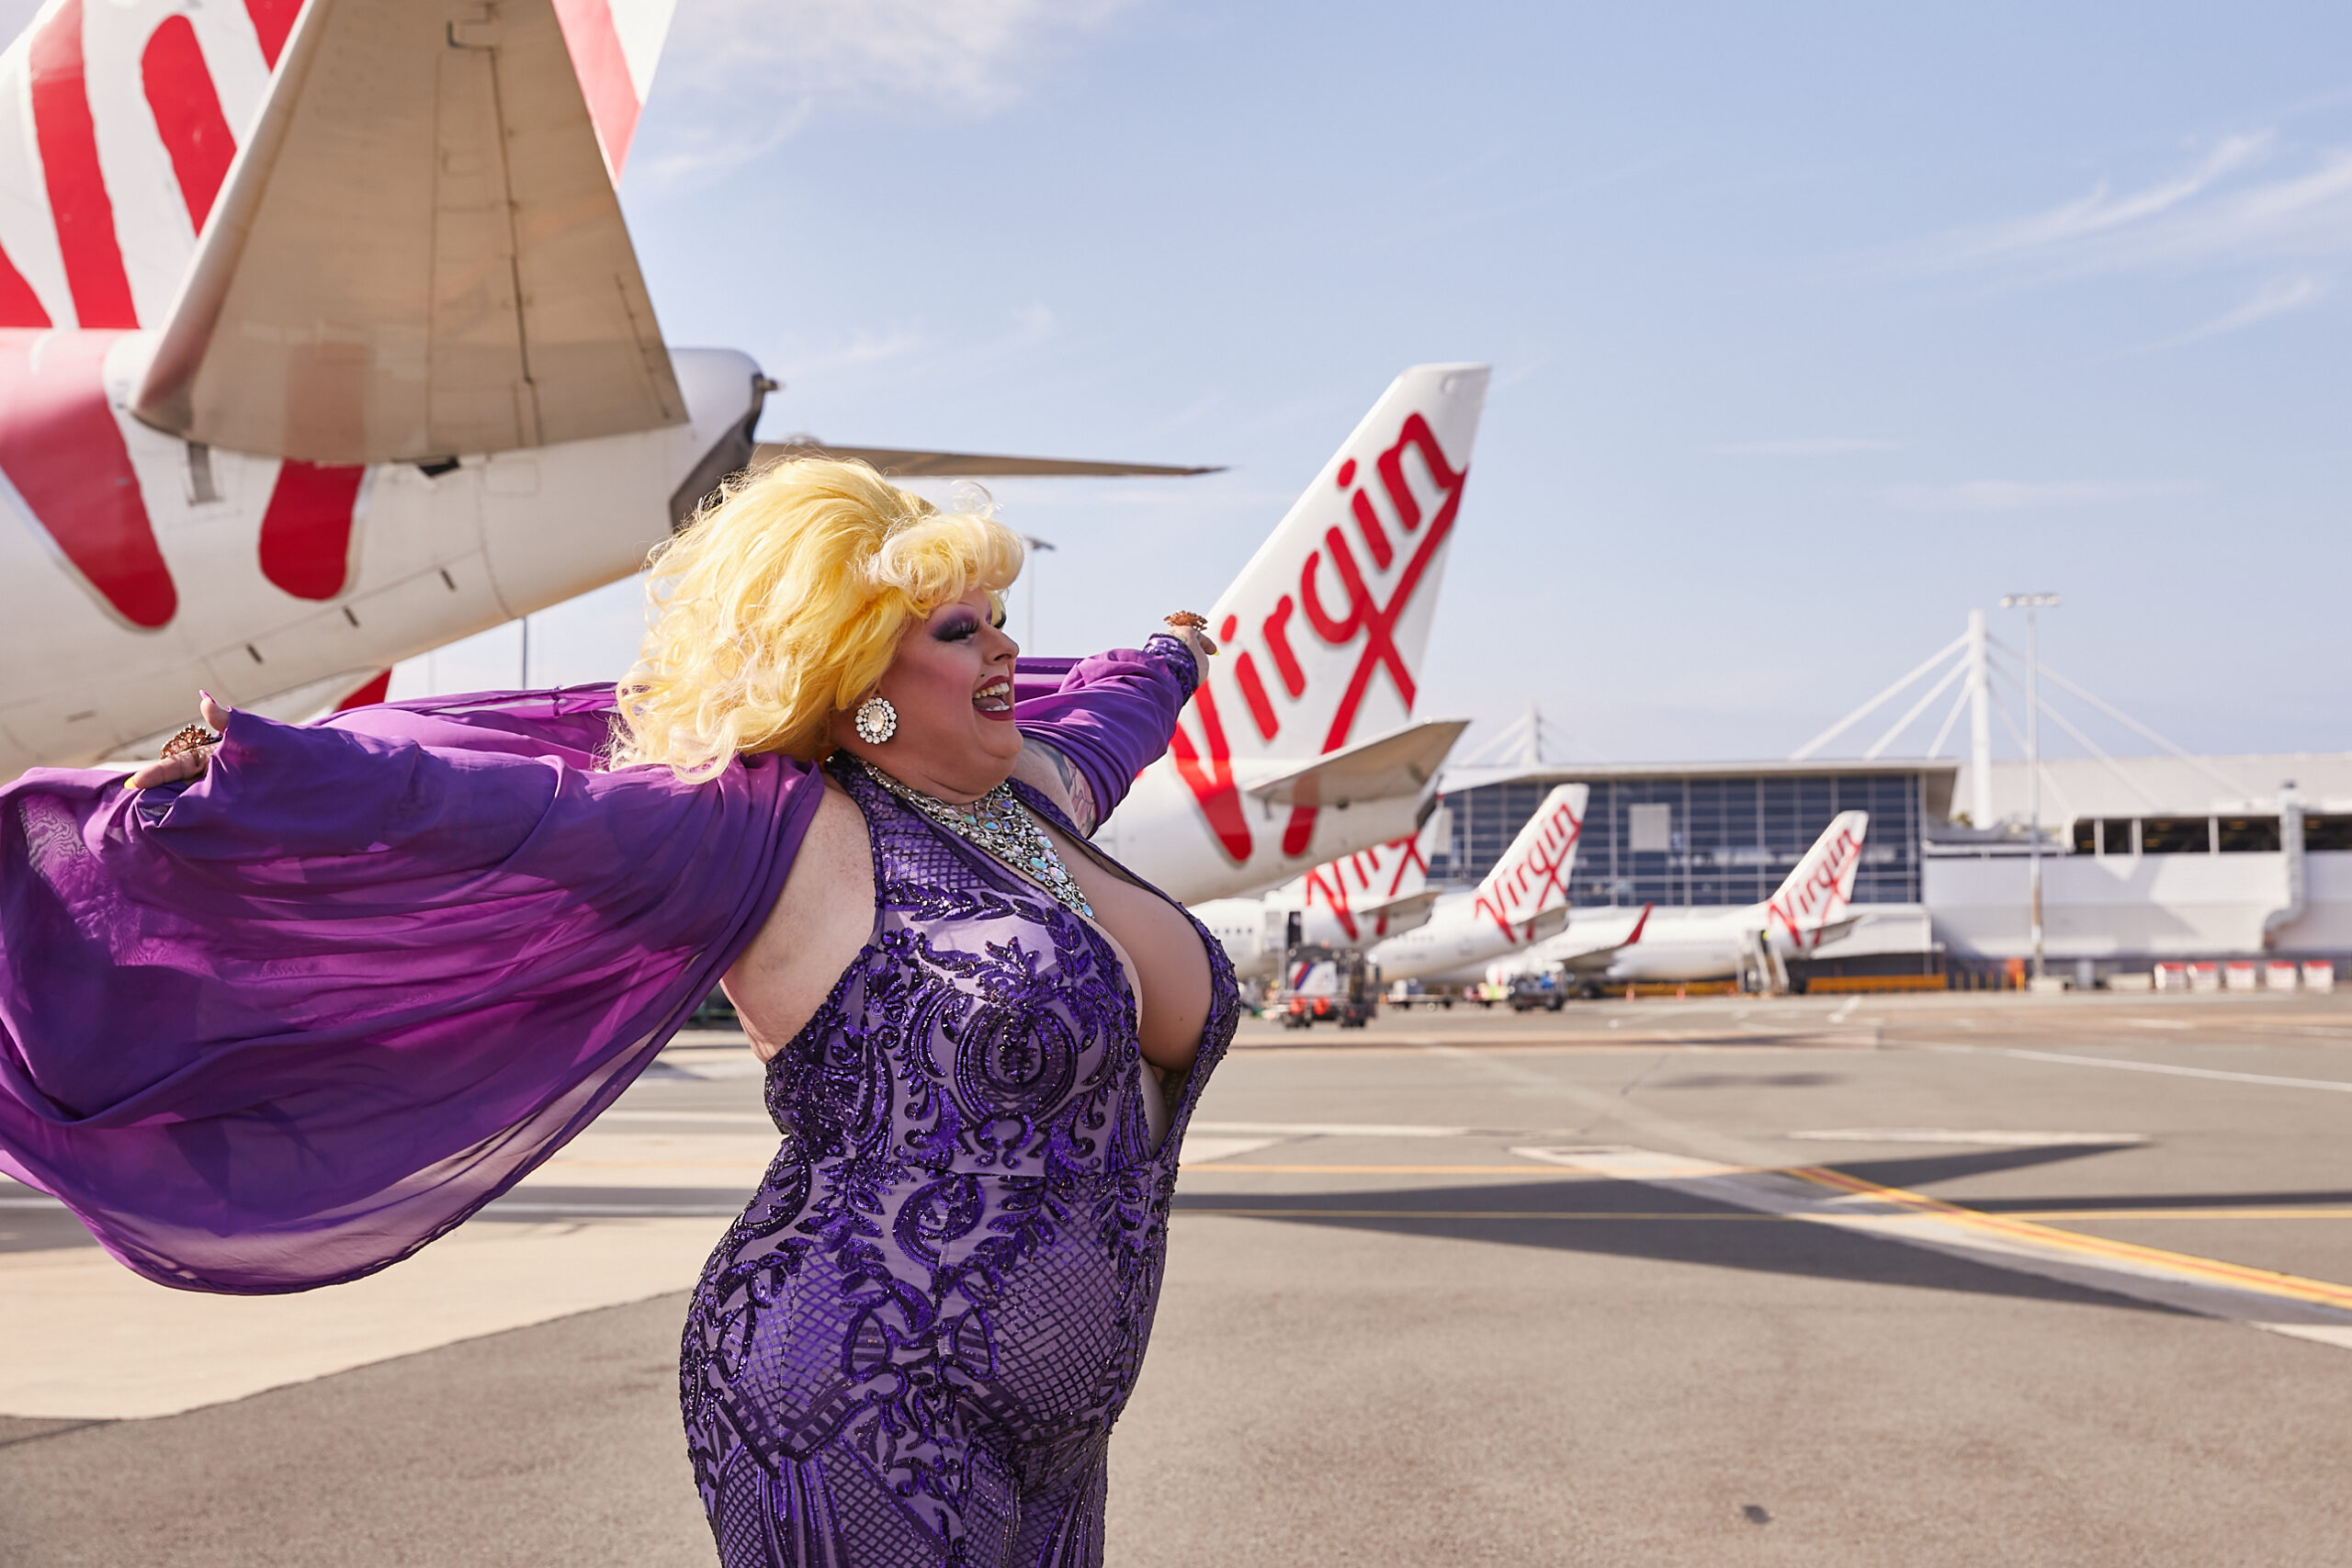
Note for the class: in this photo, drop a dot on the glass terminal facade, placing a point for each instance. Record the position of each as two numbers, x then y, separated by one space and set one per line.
1701 837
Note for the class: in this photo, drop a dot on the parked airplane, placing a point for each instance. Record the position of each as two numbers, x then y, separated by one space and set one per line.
322 343
1354 901
1521 902
1704 945
277 412
1300 746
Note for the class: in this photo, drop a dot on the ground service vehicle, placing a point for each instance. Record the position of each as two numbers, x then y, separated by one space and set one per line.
1532 991
1323 983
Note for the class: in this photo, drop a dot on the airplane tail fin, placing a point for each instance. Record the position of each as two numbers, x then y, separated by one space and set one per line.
615 45
124 121
1361 888
1822 882
1327 625
1531 880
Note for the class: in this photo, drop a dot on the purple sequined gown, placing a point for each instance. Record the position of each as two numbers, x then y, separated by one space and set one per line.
911 1346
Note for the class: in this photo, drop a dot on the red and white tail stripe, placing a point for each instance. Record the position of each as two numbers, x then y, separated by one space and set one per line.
615 46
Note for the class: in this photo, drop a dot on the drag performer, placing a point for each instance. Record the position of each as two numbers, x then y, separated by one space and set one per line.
304 997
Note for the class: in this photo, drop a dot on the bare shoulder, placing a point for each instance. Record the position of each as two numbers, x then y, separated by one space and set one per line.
1045 769
815 928
836 846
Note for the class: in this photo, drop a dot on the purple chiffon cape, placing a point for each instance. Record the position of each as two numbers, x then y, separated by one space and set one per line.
284 1026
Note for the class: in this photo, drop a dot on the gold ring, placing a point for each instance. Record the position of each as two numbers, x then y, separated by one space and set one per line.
190 738
1188 621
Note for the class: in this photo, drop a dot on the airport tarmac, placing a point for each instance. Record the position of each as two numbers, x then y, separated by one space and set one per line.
1918 1280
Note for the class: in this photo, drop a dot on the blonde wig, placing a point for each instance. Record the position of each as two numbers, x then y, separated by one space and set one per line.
781 604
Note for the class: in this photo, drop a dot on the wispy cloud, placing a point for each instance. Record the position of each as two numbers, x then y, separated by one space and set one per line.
2026 495
2274 299
1805 447
756 71
2101 211
2246 199
863 348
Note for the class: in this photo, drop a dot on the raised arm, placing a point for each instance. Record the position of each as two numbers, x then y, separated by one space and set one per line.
1108 720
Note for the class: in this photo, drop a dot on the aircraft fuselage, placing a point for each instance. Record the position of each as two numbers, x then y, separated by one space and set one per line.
135 566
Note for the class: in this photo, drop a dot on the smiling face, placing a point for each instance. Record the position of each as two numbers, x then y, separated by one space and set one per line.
952 682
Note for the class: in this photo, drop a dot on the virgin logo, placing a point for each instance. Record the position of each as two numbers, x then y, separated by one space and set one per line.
1513 895
1810 903
1371 873
1348 602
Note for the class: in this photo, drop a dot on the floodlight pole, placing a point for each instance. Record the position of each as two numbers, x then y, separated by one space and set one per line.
2032 604
1034 543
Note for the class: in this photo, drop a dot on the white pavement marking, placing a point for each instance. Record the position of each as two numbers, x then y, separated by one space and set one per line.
1333 1129
601 1158
2125 1064
1201 1151
1621 1163
2309 1309
1614 1105
86 1339
731 1118
717 1068
2337 1335
1984 1136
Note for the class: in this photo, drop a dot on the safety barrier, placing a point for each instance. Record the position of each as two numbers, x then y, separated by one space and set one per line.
2244 974
1834 983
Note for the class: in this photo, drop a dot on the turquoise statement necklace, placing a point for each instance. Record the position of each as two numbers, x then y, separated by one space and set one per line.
999 824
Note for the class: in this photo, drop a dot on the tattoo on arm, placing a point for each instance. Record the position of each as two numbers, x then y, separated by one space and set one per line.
1074 787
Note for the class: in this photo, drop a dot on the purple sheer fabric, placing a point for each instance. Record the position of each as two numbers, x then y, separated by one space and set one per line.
291 1025
284 1026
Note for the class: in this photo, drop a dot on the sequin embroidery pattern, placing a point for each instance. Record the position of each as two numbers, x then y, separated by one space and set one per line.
911 1347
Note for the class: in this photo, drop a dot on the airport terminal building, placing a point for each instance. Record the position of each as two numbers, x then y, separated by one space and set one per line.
2144 860
2155 859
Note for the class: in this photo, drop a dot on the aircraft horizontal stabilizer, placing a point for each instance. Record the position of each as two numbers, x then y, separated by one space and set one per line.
1403 913
418 254
1398 763
1831 931
1595 961
911 465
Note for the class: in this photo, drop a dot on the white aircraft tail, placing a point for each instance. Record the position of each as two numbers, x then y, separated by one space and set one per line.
1361 890
1823 883
1531 880
124 117
1325 627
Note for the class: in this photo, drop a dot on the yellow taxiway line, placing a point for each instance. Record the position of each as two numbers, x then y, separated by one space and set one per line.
1750 1217
2009 1227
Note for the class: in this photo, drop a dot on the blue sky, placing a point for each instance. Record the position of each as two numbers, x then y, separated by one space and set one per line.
1813 325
